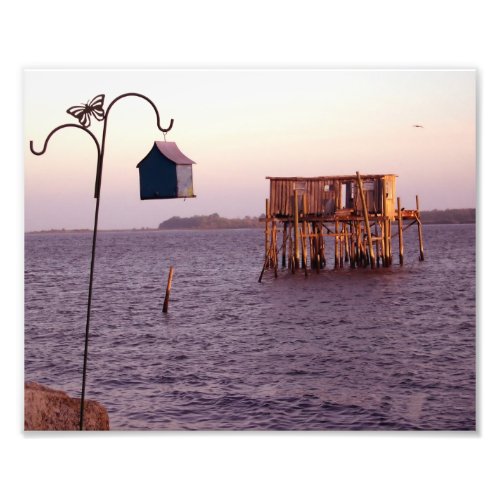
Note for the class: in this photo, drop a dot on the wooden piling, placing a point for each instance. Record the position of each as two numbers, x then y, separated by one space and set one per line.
367 221
346 244
167 292
275 249
322 247
267 234
304 231
283 251
353 244
318 248
290 247
420 237
400 233
303 244
337 245
386 228
296 255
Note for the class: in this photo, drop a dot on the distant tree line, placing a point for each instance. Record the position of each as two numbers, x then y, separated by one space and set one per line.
449 216
213 221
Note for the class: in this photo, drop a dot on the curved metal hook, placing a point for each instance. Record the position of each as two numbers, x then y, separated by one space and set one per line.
164 130
39 153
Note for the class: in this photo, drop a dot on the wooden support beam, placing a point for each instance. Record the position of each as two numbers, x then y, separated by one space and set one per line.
266 264
283 255
322 260
377 244
337 243
304 230
385 228
367 221
346 244
352 235
420 237
400 232
303 241
296 255
275 249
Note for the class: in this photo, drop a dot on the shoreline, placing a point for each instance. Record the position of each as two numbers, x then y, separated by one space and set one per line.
152 229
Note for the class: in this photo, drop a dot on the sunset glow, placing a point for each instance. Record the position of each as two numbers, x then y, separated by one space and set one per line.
241 126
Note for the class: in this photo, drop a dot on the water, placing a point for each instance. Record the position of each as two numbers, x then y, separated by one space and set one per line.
351 349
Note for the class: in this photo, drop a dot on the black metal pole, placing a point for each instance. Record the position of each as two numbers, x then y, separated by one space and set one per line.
89 303
85 121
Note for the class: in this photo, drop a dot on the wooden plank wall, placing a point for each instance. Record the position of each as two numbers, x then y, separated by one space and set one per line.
281 195
321 202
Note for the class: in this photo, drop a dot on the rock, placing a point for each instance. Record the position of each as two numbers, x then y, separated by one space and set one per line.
47 409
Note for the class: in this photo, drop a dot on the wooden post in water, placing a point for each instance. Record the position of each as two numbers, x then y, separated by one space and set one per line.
267 234
275 249
296 255
322 247
386 226
400 233
283 250
338 245
304 231
318 247
346 243
358 244
367 221
420 238
353 244
303 242
341 245
313 246
169 286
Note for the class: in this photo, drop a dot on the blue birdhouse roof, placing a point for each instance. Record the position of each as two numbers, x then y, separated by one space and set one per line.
173 153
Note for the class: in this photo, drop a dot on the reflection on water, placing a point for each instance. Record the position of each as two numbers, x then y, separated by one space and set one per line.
349 349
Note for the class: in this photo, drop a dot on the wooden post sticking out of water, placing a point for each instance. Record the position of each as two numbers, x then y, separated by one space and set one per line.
420 238
169 286
267 233
338 245
303 243
386 227
283 248
367 221
353 244
296 236
304 232
400 231
274 243
346 243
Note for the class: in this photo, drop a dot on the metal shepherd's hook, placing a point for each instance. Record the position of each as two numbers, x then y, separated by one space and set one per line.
94 108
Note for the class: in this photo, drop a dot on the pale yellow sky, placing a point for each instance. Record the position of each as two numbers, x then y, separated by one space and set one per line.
241 126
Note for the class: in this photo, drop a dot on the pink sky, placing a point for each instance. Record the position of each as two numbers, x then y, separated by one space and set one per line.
241 126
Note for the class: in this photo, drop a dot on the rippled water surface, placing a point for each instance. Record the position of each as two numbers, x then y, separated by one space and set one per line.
349 349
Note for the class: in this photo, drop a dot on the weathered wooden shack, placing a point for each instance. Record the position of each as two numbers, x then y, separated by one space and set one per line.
356 211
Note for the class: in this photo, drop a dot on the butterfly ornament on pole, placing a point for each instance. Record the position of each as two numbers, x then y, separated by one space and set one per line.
93 108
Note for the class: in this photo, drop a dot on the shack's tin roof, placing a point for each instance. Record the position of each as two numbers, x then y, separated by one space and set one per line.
330 177
173 153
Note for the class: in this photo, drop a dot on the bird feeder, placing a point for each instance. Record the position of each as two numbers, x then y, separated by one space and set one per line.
166 172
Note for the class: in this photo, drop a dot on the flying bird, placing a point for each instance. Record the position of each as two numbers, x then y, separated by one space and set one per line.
418 126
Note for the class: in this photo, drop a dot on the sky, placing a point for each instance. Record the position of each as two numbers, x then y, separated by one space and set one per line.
240 126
